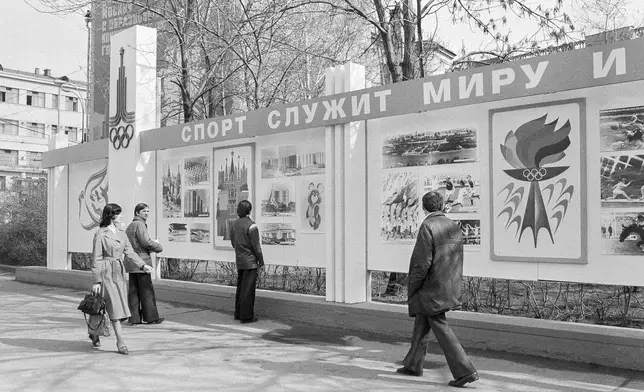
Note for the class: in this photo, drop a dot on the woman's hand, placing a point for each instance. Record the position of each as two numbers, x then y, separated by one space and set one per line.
96 287
147 269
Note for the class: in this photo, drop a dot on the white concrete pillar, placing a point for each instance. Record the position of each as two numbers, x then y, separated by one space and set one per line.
133 109
346 185
58 256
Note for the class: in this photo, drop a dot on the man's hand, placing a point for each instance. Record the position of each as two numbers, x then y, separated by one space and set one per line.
147 269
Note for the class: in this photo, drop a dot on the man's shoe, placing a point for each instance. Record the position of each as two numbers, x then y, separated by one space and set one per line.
459 382
254 319
408 372
157 321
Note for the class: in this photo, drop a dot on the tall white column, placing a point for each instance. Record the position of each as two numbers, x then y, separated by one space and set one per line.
133 109
58 256
346 185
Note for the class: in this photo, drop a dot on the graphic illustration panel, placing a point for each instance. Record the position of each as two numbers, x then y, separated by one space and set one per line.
88 194
536 182
177 232
233 178
471 229
196 203
399 207
312 201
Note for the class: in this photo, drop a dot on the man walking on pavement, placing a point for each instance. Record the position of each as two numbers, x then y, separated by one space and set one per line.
435 281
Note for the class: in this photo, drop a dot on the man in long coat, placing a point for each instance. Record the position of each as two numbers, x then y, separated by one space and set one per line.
435 281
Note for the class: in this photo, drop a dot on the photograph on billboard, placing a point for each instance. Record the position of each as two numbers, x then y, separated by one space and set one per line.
399 207
288 161
461 190
622 233
278 233
622 129
171 192
622 181
425 148
277 198
536 182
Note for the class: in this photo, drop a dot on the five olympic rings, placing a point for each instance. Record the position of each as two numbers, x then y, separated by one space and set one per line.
534 174
121 136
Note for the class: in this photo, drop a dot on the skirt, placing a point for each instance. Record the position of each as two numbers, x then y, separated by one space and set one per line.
114 289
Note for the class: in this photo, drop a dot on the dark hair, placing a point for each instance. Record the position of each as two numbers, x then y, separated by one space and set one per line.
139 207
433 201
109 212
244 208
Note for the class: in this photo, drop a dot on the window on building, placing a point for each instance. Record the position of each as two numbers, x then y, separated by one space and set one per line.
3 183
54 129
72 133
71 104
34 159
32 130
54 102
8 95
8 157
35 98
8 127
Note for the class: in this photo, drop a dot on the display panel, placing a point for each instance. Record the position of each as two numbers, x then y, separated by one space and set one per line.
88 194
537 174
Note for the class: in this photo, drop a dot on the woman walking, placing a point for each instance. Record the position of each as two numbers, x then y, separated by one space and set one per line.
108 272
141 298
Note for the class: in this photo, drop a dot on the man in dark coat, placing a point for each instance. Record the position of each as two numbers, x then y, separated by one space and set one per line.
244 236
435 281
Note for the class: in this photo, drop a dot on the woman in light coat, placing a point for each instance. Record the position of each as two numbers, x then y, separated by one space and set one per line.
108 272
141 298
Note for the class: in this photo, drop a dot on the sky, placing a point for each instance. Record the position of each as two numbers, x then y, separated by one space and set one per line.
30 39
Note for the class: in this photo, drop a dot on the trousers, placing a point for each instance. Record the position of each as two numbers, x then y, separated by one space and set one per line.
457 360
141 299
245 294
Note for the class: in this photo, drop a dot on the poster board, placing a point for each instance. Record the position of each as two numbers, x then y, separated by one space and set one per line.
88 194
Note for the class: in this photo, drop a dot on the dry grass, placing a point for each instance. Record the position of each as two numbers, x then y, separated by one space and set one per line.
574 302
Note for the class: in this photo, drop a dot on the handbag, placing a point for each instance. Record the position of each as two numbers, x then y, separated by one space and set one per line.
98 324
92 304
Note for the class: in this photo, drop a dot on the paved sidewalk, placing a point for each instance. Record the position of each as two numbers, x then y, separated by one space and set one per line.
44 347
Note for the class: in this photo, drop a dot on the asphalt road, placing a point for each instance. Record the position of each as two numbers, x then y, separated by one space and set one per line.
44 347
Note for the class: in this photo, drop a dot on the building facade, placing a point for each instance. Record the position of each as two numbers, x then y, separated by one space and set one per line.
33 107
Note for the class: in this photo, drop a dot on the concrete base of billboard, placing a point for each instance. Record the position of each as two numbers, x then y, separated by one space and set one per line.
592 344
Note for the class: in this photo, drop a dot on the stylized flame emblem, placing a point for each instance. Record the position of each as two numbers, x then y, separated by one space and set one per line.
530 150
92 199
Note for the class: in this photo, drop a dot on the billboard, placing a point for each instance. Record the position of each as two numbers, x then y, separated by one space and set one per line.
109 18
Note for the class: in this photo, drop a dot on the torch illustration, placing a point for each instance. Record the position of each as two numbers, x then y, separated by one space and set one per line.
530 150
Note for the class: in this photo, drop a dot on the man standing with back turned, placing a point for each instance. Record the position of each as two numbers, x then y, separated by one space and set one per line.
435 281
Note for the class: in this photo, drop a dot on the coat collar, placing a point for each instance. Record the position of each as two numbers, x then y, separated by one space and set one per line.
139 219
433 214
108 233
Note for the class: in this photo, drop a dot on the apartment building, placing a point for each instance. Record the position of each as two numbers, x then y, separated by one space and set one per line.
34 106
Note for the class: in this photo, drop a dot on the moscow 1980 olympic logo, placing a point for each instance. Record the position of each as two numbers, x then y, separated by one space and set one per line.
121 136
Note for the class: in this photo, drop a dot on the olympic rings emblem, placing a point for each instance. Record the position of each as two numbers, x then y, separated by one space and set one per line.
534 174
121 136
